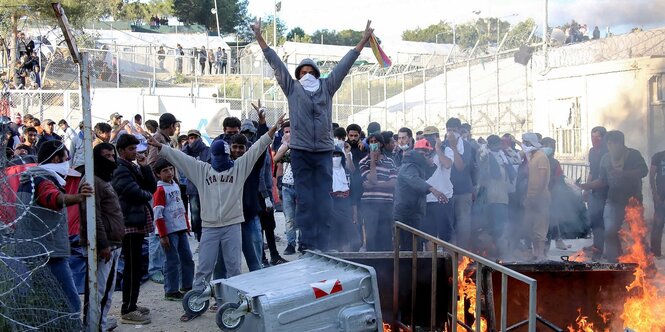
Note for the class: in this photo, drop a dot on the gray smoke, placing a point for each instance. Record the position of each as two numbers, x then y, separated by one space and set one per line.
608 12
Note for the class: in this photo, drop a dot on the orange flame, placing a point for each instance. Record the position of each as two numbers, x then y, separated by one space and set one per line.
643 310
387 328
579 256
467 290
584 325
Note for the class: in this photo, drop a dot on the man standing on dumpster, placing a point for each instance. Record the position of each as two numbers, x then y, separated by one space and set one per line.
310 114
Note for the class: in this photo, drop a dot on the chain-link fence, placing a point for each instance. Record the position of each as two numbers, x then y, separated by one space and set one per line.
483 87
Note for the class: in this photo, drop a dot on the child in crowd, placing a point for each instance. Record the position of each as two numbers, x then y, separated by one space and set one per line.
172 226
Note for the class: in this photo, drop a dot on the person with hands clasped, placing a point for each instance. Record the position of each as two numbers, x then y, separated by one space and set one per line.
310 113
220 186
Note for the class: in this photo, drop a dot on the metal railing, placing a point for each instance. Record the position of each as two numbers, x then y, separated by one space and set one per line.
576 171
481 262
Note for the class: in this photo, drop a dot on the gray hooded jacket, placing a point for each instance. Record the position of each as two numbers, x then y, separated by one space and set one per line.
310 113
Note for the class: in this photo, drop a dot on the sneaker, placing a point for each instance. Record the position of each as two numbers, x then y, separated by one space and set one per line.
185 290
157 277
143 310
135 318
278 261
265 262
111 323
290 250
177 296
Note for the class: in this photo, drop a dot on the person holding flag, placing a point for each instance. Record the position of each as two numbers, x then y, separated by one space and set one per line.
310 114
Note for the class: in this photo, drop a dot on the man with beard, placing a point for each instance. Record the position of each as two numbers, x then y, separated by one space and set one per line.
358 153
621 170
110 231
404 143
195 148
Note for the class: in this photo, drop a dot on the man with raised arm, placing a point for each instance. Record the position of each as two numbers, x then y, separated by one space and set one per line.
310 113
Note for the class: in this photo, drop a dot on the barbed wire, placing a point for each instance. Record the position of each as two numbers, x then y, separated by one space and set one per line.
30 296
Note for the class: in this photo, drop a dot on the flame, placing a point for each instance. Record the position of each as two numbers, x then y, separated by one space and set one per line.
579 256
387 328
643 309
584 325
467 290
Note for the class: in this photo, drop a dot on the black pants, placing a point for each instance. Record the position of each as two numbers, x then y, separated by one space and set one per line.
268 225
131 276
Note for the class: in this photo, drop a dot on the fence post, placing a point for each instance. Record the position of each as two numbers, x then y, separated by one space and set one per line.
445 89
468 74
369 98
154 71
425 96
403 101
385 101
498 96
117 68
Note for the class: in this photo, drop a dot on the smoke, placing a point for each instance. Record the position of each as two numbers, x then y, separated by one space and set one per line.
608 12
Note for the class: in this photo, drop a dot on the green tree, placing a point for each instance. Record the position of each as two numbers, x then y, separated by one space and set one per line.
160 8
232 14
442 31
519 34
267 25
78 12
134 11
296 34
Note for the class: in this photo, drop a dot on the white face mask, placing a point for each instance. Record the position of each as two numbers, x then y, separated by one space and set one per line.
60 169
339 143
337 162
404 147
309 82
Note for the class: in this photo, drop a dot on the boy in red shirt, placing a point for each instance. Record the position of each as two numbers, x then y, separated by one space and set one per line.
172 226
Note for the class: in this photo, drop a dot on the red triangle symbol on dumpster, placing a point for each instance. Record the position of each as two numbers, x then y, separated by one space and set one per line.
326 287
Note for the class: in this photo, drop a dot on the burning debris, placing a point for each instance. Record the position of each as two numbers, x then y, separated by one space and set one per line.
643 308
467 294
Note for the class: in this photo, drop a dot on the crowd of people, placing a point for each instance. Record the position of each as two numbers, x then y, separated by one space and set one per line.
27 71
341 189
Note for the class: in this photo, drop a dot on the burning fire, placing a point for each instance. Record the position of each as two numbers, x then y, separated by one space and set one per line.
583 325
387 328
579 256
643 309
467 290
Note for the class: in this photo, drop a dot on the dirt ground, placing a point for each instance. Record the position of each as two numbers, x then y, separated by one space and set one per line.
165 315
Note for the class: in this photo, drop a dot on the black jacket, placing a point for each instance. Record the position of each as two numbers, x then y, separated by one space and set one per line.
199 151
134 188
412 188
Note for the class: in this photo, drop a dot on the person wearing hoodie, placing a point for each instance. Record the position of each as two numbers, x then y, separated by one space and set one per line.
110 231
412 188
220 185
42 200
195 148
310 114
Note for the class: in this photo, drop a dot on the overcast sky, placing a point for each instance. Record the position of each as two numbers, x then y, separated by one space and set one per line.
391 17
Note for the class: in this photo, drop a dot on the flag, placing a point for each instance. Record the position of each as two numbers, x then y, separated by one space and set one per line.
278 6
381 56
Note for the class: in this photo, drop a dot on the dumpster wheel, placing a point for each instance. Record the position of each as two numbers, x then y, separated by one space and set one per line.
193 304
225 319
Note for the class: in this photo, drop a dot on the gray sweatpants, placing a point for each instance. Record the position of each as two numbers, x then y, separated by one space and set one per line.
229 239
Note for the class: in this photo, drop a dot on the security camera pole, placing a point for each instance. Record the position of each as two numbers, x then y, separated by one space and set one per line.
81 59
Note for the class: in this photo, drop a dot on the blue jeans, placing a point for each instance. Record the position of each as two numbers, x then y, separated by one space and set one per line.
613 215
312 172
179 265
439 220
60 269
156 255
289 209
78 263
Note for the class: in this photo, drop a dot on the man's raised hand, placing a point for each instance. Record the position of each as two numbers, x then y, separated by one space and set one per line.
153 142
261 111
256 27
368 31
277 125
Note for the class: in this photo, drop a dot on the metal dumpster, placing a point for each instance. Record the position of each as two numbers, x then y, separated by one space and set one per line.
314 293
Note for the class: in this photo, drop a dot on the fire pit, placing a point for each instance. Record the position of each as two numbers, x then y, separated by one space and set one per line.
566 287
563 288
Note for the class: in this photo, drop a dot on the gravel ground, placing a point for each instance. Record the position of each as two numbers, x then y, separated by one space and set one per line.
165 315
